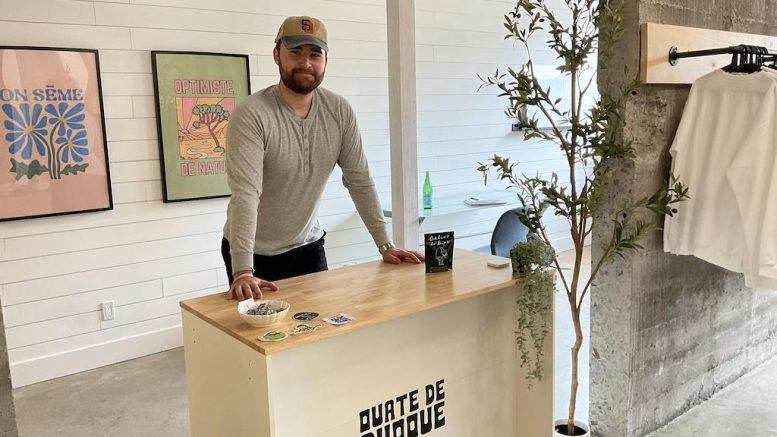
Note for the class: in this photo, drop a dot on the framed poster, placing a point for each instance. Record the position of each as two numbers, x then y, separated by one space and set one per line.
53 152
195 94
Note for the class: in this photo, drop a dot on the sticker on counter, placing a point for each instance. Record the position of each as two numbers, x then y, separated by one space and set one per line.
273 336
304 328
338 319
305 316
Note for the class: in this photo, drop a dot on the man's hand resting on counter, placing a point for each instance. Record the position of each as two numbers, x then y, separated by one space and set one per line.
246 285
396 255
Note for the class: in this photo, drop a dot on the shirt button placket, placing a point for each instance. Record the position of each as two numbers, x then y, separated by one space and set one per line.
305 147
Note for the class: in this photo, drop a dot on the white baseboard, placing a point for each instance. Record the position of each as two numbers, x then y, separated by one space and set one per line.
91 357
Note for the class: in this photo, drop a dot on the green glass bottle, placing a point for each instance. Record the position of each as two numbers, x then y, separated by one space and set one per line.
427 192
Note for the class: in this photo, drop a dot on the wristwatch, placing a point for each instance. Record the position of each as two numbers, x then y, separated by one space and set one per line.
386 246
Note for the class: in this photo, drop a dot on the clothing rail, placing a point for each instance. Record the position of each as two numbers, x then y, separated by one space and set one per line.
656 64
742 49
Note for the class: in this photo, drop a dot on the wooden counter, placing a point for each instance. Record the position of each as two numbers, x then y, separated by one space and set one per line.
450 334
372 293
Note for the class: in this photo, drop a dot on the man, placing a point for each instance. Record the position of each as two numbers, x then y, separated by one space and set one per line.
282 145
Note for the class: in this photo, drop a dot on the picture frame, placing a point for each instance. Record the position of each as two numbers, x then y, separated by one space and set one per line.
195 93
53 147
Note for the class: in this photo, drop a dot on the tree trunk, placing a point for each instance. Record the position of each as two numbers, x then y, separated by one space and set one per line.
575 353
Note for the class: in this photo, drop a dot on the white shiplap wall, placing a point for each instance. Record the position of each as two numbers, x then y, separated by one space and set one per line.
146 255
459 126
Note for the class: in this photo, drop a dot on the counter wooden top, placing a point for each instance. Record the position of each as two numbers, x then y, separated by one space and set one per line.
372 293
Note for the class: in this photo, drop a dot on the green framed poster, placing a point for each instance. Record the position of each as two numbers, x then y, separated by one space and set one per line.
195 94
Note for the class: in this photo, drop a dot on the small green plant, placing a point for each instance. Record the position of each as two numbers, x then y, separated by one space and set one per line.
530 261
590 137
531 255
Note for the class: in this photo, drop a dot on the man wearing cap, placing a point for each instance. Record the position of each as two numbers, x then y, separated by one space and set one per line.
282 145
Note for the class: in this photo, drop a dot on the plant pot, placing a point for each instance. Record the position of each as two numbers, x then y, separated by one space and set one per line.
579 426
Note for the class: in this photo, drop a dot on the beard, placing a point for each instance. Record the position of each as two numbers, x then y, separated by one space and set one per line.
300 80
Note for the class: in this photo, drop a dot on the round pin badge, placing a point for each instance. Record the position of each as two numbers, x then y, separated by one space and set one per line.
273 336
305 316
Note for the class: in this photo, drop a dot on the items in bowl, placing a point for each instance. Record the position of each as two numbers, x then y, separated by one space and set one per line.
263 309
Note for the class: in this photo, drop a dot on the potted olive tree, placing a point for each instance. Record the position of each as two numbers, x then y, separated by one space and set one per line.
590 137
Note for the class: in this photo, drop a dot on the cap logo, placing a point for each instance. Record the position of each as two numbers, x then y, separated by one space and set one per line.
307 26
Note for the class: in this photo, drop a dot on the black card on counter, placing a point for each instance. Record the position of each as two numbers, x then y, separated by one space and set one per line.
439 252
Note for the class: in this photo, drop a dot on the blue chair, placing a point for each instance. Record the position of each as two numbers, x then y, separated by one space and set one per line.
508 231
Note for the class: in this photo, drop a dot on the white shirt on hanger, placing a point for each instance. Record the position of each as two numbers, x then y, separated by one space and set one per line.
724 152
753 175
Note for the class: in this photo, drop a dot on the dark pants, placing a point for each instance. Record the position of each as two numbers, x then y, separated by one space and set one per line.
309 258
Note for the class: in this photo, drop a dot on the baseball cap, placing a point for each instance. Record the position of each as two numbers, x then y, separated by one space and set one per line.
297 31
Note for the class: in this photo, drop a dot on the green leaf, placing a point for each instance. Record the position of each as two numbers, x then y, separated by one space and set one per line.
30 170
74 169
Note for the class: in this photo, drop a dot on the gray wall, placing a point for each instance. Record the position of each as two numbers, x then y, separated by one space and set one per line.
669 331
7 415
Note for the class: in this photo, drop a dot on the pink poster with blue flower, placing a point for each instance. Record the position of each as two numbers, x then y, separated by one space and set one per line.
53 154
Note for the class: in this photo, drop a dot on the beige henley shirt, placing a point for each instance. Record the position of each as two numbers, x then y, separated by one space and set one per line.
278 165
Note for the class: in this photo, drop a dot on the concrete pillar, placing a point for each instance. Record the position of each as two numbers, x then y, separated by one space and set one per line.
7 414
668 332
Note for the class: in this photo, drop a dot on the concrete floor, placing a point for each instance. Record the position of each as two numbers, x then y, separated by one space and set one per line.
744 408
146 397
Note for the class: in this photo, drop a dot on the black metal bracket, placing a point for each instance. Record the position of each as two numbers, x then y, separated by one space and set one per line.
673 56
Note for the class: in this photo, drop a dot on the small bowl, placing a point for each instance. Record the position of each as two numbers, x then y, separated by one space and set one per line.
259 320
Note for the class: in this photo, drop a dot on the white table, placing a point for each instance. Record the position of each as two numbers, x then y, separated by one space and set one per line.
454 203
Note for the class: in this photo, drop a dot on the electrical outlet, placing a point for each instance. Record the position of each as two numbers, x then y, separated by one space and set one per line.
108 310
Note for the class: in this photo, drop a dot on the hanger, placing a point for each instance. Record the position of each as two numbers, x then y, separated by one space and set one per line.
746 59
769 60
